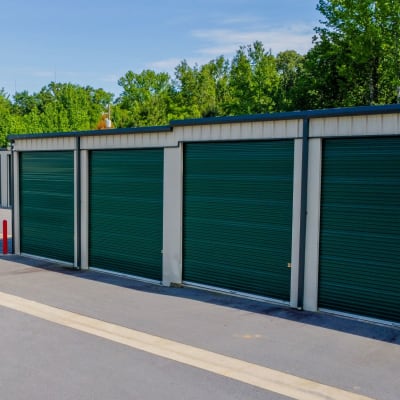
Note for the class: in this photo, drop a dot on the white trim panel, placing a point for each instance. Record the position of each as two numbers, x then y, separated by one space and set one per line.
172 215
313 225
84 154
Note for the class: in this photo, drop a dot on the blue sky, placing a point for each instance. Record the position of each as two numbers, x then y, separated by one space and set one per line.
96 42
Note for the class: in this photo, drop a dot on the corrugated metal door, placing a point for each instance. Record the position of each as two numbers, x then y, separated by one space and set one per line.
47 204
360 227
238 216
126 203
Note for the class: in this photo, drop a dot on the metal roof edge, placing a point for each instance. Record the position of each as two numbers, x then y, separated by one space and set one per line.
318 113
239 118
354 111
99 132
290 115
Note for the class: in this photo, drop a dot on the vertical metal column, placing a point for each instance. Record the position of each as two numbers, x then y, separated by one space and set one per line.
303 212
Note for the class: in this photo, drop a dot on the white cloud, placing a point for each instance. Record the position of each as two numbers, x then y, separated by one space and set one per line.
227 41
212 43
168 64
243 20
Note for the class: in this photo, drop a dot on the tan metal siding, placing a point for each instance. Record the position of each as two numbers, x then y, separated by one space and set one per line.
356 125
238 131
286 129
125 141
44 144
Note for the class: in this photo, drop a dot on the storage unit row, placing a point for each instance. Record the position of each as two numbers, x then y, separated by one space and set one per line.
301 208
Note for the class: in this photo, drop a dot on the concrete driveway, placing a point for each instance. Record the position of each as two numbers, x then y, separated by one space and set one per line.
67 334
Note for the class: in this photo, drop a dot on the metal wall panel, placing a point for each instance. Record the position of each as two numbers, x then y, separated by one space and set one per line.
355 125
360 227
257 130
41 143
47 204
126 141
238 216
125 211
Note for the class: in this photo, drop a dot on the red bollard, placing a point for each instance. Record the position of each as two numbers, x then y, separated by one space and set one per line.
5 237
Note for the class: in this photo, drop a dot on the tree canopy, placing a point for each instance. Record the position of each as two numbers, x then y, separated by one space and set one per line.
359 43
354 60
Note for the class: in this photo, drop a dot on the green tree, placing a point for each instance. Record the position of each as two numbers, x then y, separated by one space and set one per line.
361 40
289 65
67 107
201 91
253 81
240 84
187 100
5 117
58 107
24 103
145 98
320 84
9 121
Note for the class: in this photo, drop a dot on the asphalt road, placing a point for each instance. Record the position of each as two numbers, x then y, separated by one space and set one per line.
41 359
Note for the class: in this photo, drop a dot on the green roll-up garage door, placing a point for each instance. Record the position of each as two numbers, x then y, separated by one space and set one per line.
238 216
126 202
47 204
360 227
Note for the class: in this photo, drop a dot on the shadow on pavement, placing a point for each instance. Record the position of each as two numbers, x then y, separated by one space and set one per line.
385 333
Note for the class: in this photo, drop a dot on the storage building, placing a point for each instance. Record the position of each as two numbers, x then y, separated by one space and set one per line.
300 208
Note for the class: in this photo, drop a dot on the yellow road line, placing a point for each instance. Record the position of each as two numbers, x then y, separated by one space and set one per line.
252 374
